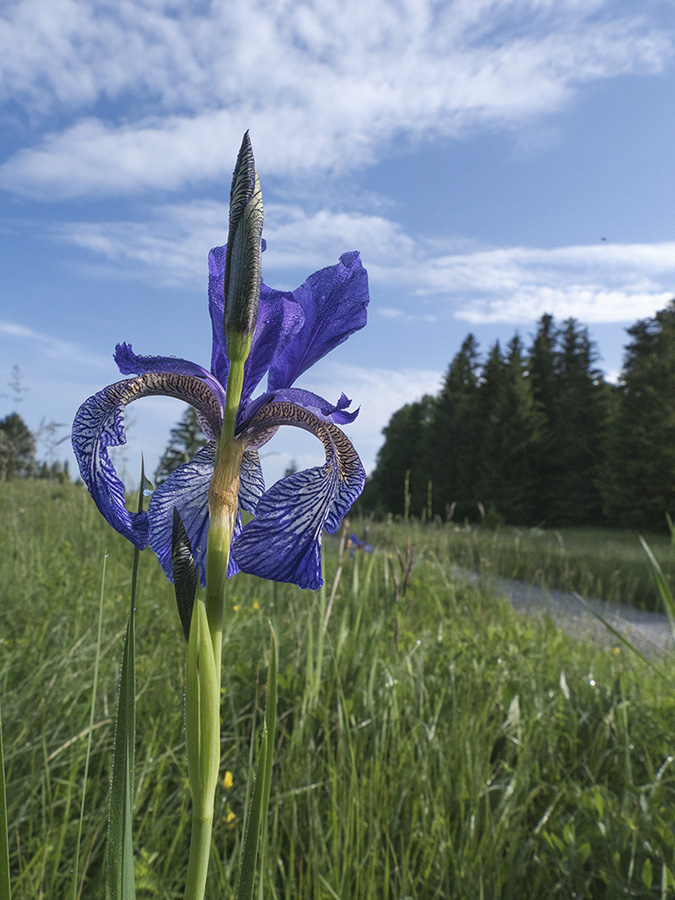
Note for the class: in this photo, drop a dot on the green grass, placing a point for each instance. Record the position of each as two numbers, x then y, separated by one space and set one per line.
431 744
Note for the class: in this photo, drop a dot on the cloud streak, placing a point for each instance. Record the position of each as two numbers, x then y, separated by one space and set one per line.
602 282
324 88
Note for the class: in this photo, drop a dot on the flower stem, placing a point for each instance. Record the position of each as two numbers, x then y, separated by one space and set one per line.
235 384
198 864
202 727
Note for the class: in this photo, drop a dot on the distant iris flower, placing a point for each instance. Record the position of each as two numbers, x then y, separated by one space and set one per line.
293 330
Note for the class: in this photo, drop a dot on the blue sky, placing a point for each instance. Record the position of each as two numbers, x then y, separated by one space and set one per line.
492 161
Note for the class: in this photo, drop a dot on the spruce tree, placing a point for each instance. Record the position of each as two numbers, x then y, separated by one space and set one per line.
453 433
511 428
638 479
185 439
542 372
17 448
399 482
580 409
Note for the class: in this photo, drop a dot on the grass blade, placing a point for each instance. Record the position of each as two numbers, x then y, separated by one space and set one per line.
120 882
5 886
257 814
94 689
617 634
662 586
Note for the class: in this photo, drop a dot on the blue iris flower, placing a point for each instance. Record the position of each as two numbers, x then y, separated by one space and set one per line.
293 330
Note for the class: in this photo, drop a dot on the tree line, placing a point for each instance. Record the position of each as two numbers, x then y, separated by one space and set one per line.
538 436
18 452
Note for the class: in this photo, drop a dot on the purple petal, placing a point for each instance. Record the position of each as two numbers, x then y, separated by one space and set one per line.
186 489
316 404
334 302
283 542
99 424
251 481
220 364
280 318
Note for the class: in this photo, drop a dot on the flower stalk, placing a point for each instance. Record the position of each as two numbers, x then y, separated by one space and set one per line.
202 696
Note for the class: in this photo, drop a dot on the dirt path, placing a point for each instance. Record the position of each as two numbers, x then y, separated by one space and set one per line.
648 631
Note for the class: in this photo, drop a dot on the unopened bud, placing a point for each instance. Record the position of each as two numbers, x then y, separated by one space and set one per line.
242 261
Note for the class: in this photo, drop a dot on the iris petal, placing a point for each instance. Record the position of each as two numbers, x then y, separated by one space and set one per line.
280 318
314 403
283 542
187 489
334 303
99 424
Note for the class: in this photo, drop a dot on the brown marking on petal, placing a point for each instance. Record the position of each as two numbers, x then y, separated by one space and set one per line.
188 388
339 449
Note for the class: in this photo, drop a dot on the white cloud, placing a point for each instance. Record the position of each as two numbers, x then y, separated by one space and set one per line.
421 279
322 86
597 283
21 337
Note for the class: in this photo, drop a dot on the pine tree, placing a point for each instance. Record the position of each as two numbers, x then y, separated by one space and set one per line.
542 372
638 479
399 482
185 439
17 448
579 412
453 432
511 428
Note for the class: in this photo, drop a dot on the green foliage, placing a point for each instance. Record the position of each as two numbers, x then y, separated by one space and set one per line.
538 437
639 475
17 448
435 747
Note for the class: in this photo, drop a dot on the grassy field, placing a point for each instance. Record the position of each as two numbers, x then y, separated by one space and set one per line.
595 562
430 742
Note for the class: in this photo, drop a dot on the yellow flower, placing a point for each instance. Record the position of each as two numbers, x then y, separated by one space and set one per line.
236 607
229 818
227 781
256 605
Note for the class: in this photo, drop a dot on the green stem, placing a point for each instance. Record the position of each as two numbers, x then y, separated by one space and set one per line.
235 384
200 846
202 726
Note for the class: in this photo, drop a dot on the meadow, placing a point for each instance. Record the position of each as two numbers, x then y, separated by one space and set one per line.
430 743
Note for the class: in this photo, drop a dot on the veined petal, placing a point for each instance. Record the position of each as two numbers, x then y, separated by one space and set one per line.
129 363
334 302
251 481
187 489
283 542
99 424
280 318
220 363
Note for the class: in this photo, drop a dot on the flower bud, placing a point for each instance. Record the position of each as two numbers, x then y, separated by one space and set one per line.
242 261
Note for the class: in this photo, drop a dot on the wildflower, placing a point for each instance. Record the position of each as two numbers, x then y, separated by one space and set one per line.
279 334
355 543
228 780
